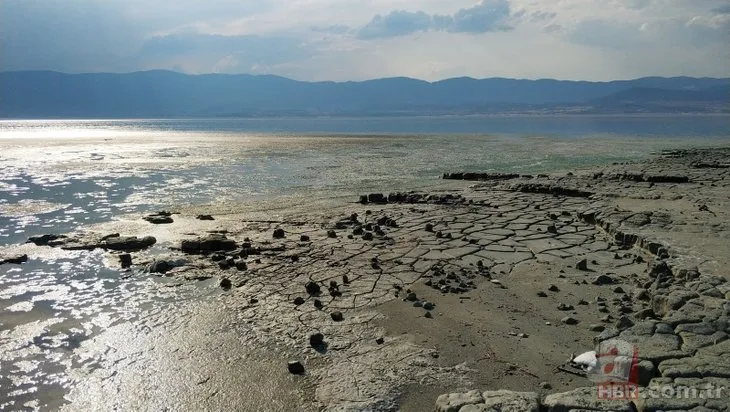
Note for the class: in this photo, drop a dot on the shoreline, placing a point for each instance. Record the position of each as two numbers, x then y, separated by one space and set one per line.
489 326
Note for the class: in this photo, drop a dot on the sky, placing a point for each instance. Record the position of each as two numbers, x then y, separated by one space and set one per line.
344 40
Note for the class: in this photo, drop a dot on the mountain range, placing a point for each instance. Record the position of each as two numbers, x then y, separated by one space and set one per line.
166 94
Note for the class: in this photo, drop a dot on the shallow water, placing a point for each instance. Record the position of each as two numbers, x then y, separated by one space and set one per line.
60 176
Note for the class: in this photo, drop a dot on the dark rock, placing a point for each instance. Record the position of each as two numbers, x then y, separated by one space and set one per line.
15 260
337 316
624 322
159 218
241 265
553 288
295 368
428 315
618 289
582 265
128 243
316 339
331 234
345 279
411 297
226 264
204 217
45 240
304 238
596 328
211 243
379 341
125 260
602 280
367 236
564 306
109 236
226 283
552 229
541 294
358 231
253 301
318 304
313 288
162 266
429 227
279 233
299 300
568 320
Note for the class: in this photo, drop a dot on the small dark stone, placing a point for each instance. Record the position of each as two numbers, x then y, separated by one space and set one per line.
204 217
429 227
295 258
568 320
358 231
295 368
564 306
253 301
241 265
428 315
125 260
552 229
331 234
279 233
618 289
17 260
367 236
379 341
333 284
541 294
299 300
553 288
411 297
582 265
318 304
337 316
316 339
226 283
345 279
602 280
304 238
312 288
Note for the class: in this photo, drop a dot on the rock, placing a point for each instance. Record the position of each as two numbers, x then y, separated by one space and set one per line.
304 238
45 240
313 288
564 306
545 385
411 297
345 279
125 260
553 288
211 243
226 283
602 280
552 229
429 306
241 265
331 234
624 322
163 266
596 328
453 402
568 320
316 339
618 289
299 300
15 260
541 294
159 218
523 335
584 399
295 368
318 304
128 243
367 236
379 341
428 315
509 401
279 233
582 265
204 217
429 227
337 316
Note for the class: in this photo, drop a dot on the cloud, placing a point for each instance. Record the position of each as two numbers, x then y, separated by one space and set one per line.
487 16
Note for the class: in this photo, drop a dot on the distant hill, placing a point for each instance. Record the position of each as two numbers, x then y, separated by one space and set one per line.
37 94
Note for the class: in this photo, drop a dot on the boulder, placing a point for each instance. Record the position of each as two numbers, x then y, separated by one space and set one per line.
207 244
584 399
204 217
295 368
453 402
128 243
125 260
45 240
159 218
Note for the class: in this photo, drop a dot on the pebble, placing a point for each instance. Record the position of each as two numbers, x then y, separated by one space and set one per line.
428 315
312 288
316 339
379 341
428 306
411 297
304 238
299 300
279 233
226 283
125 260
568 320
582 265
553 288
337 316
295 368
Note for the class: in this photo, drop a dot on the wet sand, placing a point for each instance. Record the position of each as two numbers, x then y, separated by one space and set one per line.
468 286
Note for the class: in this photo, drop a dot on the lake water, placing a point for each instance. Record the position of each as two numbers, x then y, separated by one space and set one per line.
61 175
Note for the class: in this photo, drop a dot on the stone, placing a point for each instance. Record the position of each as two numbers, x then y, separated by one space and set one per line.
541 294
207 244
304 238
331 234
128 243
226 283
429 227
618 289
337 316
602 280
553 288
241 265
279 233
582 265
367 236
453 402
596 327
318 304
313 288
204 217
564 306
428 315
316 339
509 401
15 260
163 266
545 385
159 218
584 399
429 306
552 229
125 260
299 300
411 297
45 240
295 368
568 320
379 341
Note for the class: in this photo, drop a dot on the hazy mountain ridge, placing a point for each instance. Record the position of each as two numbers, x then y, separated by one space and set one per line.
33 94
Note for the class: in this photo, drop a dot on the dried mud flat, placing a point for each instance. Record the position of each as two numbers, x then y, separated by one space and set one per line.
389 302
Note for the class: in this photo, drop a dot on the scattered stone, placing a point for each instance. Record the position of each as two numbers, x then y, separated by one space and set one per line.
318 304
429 227
316 339
367 236
299 300
618 289
553 288
45 240
552 229
295 368
379 341
125 260
337 316
428 315
603 280
279 233
211 243
564 306
127 244
345 279
313 288
545 385
159 218
304 238
596 328
331 234
204 217
226 283
582 265
411 297
429 306
15 260
241 265
568 320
